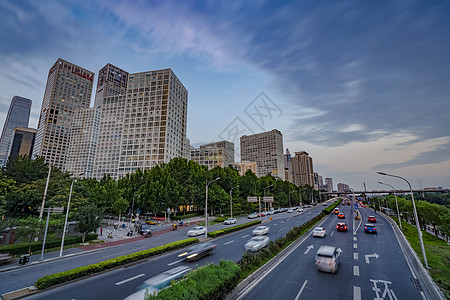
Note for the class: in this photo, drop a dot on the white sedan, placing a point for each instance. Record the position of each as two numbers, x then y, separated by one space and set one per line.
319 231
256 243
230 221
198 230
261 230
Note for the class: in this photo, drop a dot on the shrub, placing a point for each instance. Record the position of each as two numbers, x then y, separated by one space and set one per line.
330 208
219 220
216 233
187 216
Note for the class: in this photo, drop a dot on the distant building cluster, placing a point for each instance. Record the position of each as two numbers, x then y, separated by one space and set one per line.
138 120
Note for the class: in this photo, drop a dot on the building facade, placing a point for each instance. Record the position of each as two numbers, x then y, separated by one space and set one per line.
303 171
342 187
22 142
154 124
218 154
68 88
18 116
243 166
288 166
329 183
266 149
112 81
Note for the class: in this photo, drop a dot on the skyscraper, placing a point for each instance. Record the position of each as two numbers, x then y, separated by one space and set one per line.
112 81
18 116
329 183
302 166
69 87
218 154
266 149
154 126
288 166
22 142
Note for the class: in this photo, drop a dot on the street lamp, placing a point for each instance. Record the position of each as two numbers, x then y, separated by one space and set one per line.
206 206
231 200
396 203
67 214
264 202
415 216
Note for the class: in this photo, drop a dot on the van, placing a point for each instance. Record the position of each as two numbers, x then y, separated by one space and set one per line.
328 259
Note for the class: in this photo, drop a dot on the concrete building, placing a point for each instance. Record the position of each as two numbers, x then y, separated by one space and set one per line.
22 142
329 183
288 167
303 171
83 142
112 81
243 166
218 154
18 116
68 88
342 187
266 149
154 126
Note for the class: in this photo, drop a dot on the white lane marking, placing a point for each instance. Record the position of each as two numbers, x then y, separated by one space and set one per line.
175 262
301 290
371 255
356 293
129 279
355 270
308 248
332 233
244 236
228 242
355 256
355 246
275 224
282 229
297 222
282 222
355 238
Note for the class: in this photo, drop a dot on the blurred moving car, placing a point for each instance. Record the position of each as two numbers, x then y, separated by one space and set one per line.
341 227
6 258
290 210
336 211
159 282
370 228
256 243
299 209
319 231
252 216
230 221
341 215
372 219
198 230
261 230
198 251
328 259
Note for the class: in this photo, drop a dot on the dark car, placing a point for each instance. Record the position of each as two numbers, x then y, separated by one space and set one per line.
372 219
341 227
370 228
198 251
142 227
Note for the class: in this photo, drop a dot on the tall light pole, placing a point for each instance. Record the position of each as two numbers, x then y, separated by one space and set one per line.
67 214
231 200
415 216
45 192
264 202
396 203
206 206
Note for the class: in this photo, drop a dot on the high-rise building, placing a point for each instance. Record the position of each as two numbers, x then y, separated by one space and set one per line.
18 116
329 183
112 81
218 154
266 149
288 166
154 129
243 166
302 167
110 137
22 142
68 88
83 142
342 187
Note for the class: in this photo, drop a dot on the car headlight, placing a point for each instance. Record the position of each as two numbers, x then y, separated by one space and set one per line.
192 255
182 254
256 246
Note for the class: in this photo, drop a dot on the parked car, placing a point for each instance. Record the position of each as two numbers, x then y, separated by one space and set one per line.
319 231
372 219
256 243
341 227
230 221
252 216
150 221
328 259
290 210
260 230
198 230
370 228
198 251
271 212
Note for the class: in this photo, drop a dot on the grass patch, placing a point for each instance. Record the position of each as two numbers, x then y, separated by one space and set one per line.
437 252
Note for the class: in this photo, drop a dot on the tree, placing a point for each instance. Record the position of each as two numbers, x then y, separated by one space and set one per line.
28 230
23 169
88 218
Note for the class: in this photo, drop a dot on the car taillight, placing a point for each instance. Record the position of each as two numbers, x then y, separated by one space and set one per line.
365 228
345 227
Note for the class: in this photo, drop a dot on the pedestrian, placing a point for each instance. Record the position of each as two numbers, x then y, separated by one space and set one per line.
101 231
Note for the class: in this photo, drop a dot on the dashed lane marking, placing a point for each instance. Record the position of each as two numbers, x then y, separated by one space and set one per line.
355 246
301 290
356 293
356 270
282 229
243 237
175 262
228 242
355 256
355 238
332 233
129 279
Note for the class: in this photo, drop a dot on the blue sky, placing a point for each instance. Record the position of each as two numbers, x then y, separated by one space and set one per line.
362 86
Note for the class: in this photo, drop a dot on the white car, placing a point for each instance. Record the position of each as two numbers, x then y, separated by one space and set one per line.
261 230
271 212
252 216
290 210
256 243
230 221
319 231
299 209
198 230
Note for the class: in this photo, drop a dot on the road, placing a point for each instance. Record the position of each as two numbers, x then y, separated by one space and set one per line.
119 283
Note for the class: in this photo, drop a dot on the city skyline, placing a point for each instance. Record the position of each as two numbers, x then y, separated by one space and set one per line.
361 87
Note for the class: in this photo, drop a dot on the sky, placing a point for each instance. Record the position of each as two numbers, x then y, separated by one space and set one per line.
362 86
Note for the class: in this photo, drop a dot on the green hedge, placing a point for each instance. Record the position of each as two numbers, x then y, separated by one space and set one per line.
219 220
187 216
37 246
54 279
330 208
216 233
207 283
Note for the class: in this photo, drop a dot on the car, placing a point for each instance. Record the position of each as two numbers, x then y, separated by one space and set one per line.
198 251
324 204
271 212
341 215
319 231
142 227
328 259
6 258
290 210
370 228
336 211
341 227
252 216
197 230
372 219
150 221
230 221
256 243
260 230
159 282
299 209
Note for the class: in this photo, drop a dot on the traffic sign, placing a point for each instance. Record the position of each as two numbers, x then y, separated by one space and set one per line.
268 199
252 199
